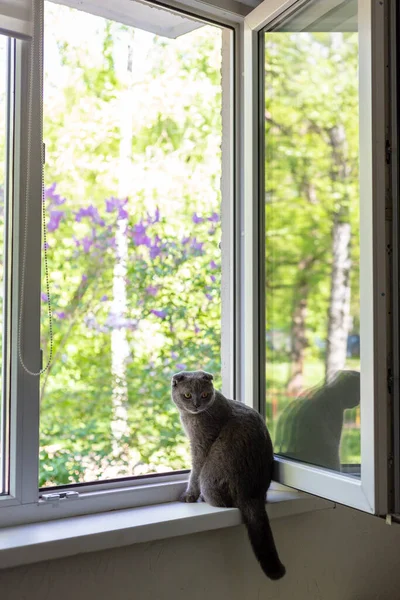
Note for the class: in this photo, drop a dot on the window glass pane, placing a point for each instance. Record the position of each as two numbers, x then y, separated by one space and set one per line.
133 166
3 150
312 209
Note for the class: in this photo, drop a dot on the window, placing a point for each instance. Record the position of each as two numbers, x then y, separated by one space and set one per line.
217 195
7 50
133 133
4 91
322 365
312 244
138 256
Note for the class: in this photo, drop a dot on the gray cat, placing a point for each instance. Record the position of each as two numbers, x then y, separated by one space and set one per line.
232 459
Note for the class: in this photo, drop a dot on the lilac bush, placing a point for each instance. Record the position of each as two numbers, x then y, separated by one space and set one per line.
172 322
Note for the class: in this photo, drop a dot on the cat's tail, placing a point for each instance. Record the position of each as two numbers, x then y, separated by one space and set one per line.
261 538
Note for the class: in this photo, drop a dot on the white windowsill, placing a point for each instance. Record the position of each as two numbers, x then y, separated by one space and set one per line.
36 542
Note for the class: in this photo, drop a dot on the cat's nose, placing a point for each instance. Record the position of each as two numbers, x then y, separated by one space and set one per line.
196 403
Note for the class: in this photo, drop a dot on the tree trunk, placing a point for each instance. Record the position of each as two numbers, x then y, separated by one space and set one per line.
298 339
339 303
119 342
133 70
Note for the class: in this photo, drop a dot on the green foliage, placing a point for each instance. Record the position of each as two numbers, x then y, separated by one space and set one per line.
311 103
172 320
172 228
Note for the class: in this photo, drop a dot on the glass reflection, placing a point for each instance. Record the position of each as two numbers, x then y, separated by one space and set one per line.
312 237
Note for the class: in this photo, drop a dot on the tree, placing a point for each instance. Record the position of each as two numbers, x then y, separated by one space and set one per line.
172 228
312 237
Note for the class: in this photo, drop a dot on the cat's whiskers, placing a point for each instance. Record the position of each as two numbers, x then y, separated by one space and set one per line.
209 414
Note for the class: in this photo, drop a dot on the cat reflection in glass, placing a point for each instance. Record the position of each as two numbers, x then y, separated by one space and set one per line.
310 427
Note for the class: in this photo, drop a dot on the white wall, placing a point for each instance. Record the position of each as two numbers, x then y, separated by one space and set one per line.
335 554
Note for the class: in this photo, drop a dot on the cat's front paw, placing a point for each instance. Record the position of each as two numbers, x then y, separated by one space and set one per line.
188 496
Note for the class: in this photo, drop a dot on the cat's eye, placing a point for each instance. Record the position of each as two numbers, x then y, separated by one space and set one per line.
187 396
204 395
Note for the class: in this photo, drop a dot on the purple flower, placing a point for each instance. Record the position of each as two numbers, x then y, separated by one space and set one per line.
152 290
84 278
197 246
50 190
213 265
161 314
92 213
52 196
104 298
197 219
140 239
118 321
174 355
185 240
86 243
155 249
180 366
214 217
110 204
154 252
212 231
209 297
46 246
112 242
196 329
44 297
138 234
122 213
213 278
140 227
55 218
115 204
60 314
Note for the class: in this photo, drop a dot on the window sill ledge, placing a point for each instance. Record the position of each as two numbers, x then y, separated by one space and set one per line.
24 544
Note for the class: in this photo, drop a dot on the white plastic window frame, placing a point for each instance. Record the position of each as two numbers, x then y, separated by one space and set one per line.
23 504
23 409
6 283
243 374
370 492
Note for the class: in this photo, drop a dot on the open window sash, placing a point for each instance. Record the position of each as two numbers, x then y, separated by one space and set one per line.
369 491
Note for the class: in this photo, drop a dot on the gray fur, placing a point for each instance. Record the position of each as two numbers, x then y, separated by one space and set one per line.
232 459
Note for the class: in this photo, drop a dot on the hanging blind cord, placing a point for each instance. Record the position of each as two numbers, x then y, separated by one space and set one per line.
35 50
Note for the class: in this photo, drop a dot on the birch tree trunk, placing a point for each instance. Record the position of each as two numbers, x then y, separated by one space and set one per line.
339 302
119 342
132 65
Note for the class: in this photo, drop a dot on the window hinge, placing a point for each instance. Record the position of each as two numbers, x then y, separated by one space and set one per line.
59 496
390 381
388 152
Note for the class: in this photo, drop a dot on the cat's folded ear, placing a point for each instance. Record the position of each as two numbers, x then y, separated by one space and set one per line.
178 378
207 376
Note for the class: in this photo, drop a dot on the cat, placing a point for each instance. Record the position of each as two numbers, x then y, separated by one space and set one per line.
232 459
310 428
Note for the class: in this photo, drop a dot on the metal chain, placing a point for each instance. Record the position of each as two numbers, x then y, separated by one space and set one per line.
37 5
